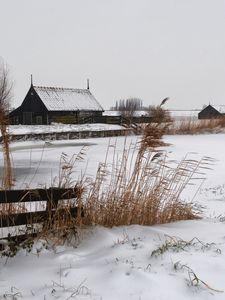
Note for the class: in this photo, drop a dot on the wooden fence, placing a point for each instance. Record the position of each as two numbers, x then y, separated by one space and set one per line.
70 135
51 196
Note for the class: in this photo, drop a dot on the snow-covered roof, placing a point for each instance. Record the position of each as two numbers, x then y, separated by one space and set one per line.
66 99
219 108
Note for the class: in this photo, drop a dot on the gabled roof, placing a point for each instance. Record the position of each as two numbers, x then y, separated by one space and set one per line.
213 110
219 108
66 99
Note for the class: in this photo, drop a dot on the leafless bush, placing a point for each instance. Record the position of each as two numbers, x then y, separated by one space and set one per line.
5 97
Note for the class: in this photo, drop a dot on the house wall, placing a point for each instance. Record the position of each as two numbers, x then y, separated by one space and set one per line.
65 117
31 111
209 113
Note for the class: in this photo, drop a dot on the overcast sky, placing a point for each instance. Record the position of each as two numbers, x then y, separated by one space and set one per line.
149 49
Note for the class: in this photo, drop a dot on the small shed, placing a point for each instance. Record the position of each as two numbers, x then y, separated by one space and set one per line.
212 112
44 105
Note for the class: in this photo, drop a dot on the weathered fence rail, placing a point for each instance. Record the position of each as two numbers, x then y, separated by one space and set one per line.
51 196
70 135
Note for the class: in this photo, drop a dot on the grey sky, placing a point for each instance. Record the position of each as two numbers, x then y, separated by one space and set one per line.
144 48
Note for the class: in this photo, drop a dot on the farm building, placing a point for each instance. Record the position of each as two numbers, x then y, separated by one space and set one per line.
44 105
212 112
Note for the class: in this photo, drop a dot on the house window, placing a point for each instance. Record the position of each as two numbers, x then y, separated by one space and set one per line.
27 118
39 120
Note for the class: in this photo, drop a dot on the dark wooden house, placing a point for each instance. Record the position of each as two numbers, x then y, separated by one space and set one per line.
44 105
212 112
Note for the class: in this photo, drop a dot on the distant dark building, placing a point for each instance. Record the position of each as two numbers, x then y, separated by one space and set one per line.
212 112
44 105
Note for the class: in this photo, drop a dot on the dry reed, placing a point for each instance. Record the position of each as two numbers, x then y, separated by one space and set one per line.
145 191
193 126
5 97
7 177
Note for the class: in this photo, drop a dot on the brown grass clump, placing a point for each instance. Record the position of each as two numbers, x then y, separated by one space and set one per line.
140 190
60 226
193 126
159 114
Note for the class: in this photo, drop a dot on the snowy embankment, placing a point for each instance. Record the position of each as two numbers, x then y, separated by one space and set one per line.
118 263
65 132
57 128
181 260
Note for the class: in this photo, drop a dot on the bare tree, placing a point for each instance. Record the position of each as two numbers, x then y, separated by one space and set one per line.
130 104
128 107
5 97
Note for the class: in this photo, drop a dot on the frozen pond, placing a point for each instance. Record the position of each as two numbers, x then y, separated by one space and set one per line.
37 164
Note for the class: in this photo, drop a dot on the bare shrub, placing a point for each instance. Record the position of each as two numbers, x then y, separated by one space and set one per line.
5 97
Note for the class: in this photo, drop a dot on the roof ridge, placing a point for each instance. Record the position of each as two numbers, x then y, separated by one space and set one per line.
59 88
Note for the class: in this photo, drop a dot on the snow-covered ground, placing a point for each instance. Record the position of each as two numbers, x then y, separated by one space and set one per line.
181 260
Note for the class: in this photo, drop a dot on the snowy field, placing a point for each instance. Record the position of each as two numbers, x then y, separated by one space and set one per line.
182 260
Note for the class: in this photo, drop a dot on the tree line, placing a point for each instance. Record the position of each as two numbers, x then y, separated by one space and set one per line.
129 107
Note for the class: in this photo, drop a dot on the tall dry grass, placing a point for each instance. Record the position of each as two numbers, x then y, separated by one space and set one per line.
193 126
140 188
5 97
7 176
